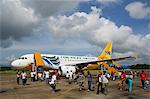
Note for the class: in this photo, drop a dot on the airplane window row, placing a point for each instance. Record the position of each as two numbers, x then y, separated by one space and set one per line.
23 58
84 58
72 60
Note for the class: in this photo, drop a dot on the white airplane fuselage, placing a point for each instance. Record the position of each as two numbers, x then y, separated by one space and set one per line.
67 63
52 61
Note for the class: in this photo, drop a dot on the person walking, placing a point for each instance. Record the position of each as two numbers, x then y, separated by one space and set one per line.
81 80
90 79
104 83
24 77
47 76
121 84
18 77
40 76
130 83
70 77
99 82
67 75
143 77
52 82
32 76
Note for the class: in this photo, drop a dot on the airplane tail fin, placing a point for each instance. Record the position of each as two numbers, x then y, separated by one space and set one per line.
107 52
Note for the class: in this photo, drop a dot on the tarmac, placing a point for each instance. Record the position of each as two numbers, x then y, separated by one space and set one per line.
40 90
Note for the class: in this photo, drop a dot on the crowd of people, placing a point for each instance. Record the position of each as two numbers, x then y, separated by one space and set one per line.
101 80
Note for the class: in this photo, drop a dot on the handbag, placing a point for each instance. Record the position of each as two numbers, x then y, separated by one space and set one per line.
147 82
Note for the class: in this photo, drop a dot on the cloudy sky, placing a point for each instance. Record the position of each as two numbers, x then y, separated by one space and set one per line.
75 27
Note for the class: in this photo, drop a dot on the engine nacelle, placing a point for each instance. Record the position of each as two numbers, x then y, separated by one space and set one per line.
64 69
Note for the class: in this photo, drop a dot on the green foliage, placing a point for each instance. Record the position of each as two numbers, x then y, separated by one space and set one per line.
5 68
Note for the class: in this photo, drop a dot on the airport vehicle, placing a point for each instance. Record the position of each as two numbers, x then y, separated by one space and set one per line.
66 63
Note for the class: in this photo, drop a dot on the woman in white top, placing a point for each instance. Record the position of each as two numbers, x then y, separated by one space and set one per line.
105 83
53 82
24 77
32 75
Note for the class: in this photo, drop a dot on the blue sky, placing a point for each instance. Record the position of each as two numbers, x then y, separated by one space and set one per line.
75 28
117 13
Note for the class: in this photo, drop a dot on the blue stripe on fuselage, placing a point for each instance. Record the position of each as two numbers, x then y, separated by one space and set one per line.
47 61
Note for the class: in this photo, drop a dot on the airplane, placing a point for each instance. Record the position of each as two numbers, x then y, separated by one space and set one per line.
66 63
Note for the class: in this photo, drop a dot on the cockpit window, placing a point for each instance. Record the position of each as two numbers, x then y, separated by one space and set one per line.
25 58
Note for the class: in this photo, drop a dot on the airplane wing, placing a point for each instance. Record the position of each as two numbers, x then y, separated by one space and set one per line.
81 65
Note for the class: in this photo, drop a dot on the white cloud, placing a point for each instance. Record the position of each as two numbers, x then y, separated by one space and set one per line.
138 10
11 58
16 21
148 36
20 18
45 8
98 30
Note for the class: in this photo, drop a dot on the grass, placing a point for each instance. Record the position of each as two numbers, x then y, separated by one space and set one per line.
8 72
11 72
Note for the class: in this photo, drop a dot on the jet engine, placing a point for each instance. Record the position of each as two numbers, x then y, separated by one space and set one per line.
65 69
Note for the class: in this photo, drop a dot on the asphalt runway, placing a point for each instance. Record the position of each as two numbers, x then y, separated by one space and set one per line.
40 90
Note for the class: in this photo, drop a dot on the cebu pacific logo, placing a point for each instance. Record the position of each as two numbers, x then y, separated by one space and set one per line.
108 52
51 60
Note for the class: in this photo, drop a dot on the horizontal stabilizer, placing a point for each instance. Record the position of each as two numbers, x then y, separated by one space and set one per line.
109 68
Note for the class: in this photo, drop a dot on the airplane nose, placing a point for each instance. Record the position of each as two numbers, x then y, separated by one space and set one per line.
14 64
